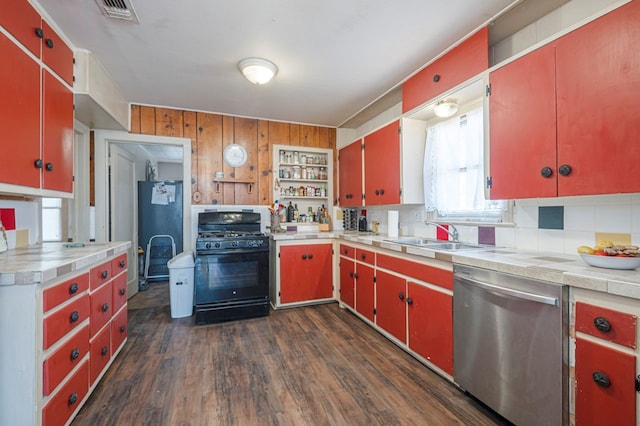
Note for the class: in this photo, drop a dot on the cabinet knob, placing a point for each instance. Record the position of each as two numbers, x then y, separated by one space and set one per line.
39 33
409 301
356 275
436 78
49 167
122 291
602 324
382 191
122 263
564 170
601 379
105 307
49 43
105 350
363 256
104 274
75 354
38 164
546 172
74 317
73 288
351 274
346 251
377 192
73 398
401 296
122 328
310 256
304 257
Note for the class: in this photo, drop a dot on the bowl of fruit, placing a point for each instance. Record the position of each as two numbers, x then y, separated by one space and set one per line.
611 256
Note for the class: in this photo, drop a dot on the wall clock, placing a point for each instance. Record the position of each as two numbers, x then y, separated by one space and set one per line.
235 155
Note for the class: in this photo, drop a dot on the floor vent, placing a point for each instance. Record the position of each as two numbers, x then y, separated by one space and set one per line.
118 9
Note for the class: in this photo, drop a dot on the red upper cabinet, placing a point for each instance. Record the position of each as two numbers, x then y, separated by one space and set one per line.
459 64
523 127
24 23
56 54
350 174
382 165
598 86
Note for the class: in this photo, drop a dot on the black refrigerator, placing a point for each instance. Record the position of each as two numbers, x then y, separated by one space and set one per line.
159 217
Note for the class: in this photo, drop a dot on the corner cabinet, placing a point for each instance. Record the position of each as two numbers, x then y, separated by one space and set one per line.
301 272
59 338
303 176
36 109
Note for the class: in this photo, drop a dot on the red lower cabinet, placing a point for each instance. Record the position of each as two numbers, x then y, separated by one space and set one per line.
56 367
60 408
605 385
119 329
365 290
100 348
430 317
347 293
391 313
306 272
62 321
101 309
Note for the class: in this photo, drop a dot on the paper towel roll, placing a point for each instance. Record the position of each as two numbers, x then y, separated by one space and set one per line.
393 224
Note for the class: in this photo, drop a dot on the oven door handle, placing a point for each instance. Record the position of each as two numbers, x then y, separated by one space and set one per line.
206 253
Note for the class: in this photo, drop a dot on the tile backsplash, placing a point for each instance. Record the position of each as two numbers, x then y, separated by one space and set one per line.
581 218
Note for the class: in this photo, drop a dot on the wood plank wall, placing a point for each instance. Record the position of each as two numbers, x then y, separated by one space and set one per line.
211 133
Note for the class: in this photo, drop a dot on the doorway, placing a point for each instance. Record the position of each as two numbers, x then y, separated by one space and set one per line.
116 196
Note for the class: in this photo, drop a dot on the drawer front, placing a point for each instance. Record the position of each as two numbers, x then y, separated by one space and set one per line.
119 291
366 256
100 348
430 274
56 367
347 251
59 293
119 264
64 320
119 329
614 326
21 20
60 408
99 275
101 309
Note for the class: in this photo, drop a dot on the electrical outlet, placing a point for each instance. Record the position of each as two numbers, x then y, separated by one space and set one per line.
419 216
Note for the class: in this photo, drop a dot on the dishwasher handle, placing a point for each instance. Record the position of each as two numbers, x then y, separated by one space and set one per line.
553 301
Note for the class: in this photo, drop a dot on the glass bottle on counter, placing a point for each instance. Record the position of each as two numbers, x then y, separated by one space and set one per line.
290 212
296 213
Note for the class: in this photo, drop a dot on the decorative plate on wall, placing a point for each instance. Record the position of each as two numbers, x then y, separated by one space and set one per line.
235 155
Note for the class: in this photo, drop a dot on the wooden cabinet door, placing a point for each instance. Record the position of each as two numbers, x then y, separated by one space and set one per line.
391 312
347 270
19 115
598 86
605 385
382 166
305 272
523 127
57 134
365 290
350 175
430 322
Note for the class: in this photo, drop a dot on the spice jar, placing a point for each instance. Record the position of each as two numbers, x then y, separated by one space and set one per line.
296 172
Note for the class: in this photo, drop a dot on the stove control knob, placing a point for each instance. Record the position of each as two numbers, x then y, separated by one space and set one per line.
207 245
234 244
217 245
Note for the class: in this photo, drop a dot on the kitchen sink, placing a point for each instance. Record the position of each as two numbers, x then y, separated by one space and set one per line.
413 241
437 244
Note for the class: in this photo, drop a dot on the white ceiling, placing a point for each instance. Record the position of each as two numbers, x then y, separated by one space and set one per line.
335 57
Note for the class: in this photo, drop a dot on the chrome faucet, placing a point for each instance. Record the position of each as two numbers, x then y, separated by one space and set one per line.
452 231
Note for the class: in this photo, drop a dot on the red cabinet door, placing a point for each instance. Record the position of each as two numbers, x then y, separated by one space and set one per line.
523 127
350 174
66 290
57 134
22 20
67 400
391 312
56 54
605 385
365 290
459 64
119 329
65 319
19 114
306 272
347 269
56 367
119 285
101 308
382 166
430 318
598 86
100 348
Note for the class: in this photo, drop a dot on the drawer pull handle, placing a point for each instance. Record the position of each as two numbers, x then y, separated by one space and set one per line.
363 256
75 354
409 301
75 316
104 351
401 296
346 251
122 329
73 398
105 307
436 78
122 263
104 274
122 291
602 324
73 288
601 379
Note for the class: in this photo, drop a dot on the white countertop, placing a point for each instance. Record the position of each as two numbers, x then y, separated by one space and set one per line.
44 262
552 267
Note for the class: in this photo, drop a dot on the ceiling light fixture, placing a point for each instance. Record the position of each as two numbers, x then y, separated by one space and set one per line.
445 108
258 71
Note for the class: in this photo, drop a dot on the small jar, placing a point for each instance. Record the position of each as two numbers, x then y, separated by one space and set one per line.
303 172
282 156
322 175
303 159
296 172
295 157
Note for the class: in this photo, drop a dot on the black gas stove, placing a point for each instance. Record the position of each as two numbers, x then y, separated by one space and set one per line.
232 267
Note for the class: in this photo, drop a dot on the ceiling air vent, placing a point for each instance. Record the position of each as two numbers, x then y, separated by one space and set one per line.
118 9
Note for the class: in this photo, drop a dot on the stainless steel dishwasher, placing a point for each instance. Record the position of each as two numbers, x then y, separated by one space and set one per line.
510 344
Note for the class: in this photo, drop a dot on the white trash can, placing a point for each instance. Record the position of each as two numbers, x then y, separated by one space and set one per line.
181 271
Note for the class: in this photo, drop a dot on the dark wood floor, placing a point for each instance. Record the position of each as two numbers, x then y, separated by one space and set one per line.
315 365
